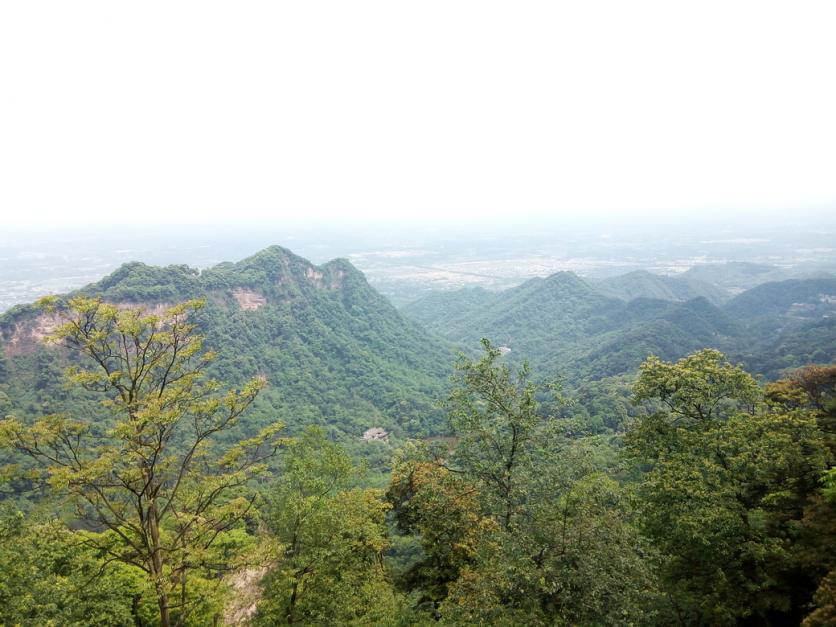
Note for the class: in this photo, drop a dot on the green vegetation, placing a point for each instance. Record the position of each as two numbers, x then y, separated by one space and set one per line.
148 482
148 479
332 350
519 524
591 330
644 284
332 539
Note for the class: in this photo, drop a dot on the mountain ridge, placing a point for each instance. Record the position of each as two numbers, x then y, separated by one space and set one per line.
563 323
333 349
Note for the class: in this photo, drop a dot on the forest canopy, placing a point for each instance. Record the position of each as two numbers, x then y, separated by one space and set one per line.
708 498
140 492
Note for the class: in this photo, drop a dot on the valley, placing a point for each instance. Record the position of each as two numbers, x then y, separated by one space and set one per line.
537 390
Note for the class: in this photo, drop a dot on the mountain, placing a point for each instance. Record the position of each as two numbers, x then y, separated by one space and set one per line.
668 330
791 322
579 328
644 284
333 350
439 310
738 276
565 324
798 299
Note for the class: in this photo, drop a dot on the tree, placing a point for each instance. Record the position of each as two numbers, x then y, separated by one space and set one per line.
442 509
516 525
50 578
825 597
580 561
702 387
149 476
329 569
728 481
501 434
813 388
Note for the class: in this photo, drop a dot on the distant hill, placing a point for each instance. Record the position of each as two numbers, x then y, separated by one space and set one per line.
738 276
644 284
565 324
579 328
440 310
808 298
790 323
333 349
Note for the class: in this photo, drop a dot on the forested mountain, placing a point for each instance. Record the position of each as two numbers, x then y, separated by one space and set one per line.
738 276
565 324
786 300
790 322
332 349
200 460
644 284
440 311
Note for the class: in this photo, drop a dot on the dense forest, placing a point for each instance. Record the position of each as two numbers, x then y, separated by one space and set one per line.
594 329
186 448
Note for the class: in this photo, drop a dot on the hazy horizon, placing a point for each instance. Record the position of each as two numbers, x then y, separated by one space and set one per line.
334 112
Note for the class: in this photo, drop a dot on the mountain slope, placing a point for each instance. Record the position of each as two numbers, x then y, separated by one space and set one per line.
565 324
738 276
439 310
791 322
333 350
644 284
796 298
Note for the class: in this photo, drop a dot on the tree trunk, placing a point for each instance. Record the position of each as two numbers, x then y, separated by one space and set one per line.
157 566
135 611
162 601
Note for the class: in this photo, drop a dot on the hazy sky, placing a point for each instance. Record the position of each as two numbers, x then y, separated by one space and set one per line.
158 111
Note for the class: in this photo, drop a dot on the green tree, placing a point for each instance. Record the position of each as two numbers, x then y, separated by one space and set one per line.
329 568
443 510
516 525
580 561
702 387
149 476
725 490
501 435
51 578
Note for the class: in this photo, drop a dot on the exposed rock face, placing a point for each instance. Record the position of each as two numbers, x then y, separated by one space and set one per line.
27 334
314 276
153 309
244 603
375 434
332 279
249 300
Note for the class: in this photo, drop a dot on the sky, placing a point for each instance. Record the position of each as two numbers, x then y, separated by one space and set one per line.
160 113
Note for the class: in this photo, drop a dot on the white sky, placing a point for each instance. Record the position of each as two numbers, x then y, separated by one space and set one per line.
159 111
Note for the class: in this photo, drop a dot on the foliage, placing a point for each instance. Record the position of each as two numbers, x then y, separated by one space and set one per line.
702 387
51 576
330 566
726 490
579 561
501 434
516 524
150 477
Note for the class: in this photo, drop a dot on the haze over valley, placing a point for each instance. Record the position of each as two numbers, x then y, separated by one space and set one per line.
417 314
407 262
